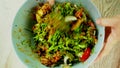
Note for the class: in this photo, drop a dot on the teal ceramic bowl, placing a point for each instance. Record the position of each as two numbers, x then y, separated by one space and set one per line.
22 36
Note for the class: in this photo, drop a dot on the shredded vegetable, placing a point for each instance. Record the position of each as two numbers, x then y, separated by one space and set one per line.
63 33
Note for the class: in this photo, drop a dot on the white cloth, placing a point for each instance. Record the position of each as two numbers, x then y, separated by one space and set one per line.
8 10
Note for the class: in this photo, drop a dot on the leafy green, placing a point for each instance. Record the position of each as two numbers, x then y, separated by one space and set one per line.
67 9
54 37
40 32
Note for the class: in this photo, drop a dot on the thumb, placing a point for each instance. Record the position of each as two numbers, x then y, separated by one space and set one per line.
51 2
107 21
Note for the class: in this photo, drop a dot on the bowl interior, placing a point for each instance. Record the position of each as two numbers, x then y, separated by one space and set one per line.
22 35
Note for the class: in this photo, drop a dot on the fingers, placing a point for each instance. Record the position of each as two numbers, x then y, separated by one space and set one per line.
107 48
108 21
100 54
51 2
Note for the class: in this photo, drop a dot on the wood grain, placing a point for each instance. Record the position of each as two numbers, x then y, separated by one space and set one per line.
109 8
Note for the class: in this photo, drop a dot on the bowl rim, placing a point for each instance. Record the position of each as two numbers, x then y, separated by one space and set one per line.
103 35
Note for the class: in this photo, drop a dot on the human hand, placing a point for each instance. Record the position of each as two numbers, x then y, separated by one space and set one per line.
112 32
51 2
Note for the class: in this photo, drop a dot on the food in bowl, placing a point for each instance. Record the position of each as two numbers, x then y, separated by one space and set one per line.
63 34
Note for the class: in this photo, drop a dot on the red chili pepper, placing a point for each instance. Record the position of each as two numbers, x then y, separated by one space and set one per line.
85 55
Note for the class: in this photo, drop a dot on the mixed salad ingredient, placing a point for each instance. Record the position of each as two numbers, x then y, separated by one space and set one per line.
64 34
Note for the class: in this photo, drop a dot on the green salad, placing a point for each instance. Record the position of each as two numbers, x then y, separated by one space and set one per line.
63 34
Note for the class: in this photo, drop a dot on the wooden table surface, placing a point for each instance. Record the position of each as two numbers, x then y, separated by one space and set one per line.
107 8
